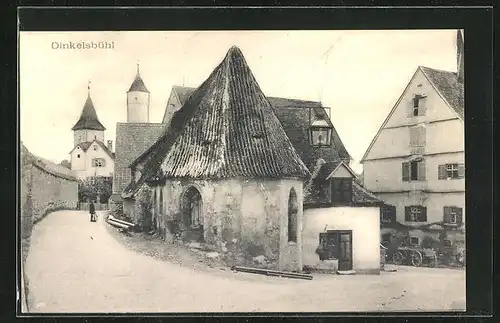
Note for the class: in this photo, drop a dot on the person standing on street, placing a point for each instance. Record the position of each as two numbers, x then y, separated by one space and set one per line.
92 212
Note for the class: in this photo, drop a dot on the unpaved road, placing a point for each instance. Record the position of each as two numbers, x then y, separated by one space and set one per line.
77 266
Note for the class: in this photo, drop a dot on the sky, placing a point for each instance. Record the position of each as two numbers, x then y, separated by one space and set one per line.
358 74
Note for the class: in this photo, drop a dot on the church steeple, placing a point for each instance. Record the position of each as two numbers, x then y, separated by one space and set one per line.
88 118
138 84
138 100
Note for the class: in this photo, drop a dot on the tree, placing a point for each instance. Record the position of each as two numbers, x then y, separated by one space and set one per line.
65 163
95 189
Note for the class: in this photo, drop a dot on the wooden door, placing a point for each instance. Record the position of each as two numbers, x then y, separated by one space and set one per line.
345 250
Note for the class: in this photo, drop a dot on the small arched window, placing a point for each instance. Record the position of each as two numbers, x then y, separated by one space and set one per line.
293 211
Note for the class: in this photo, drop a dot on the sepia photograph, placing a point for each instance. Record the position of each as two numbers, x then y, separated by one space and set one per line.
242 171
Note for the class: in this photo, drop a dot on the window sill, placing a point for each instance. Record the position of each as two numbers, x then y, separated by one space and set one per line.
292 243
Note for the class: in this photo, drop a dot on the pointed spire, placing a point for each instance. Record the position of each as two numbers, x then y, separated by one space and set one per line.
138 84
88 117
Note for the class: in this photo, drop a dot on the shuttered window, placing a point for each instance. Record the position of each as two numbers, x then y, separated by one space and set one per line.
452 215
341 191
418 106
451 171
388 213
413 171
415 213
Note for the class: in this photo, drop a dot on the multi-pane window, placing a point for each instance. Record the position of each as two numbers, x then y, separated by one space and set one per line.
451 171
452 215
341 190
413 171
95 147
414 241
98 162
415 213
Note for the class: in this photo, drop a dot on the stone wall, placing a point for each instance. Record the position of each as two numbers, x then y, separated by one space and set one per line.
247 218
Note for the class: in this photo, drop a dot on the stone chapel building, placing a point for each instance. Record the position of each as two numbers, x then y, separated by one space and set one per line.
225 169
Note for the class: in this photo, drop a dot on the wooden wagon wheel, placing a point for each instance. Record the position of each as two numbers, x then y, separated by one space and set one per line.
397 258
416 258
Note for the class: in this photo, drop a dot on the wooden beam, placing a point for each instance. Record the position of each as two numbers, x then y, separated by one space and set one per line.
117 224
121 221
275 273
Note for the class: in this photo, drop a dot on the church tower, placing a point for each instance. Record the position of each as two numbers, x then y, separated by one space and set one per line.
138 101
88 127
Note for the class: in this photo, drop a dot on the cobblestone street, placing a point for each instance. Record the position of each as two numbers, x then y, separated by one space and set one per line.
77 266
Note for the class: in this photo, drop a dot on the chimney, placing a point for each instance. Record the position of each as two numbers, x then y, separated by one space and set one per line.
110 145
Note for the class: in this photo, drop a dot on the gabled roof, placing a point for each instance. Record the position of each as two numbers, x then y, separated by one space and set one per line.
138 84
46 165
227 128
337 167
132 139
86 145
446 85
294 116
359 193
88 118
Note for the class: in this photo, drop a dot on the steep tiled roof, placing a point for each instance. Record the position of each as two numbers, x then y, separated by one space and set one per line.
448 85
46 165
362 195
227 128
138 84
294 116
296 120
132 139
183 92
88 118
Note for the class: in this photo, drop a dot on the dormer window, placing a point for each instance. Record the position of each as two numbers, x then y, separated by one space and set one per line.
320 133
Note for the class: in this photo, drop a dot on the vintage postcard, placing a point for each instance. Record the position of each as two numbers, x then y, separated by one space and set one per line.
242 171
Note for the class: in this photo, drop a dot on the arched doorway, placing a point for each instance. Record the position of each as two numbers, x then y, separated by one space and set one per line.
293 210
192 208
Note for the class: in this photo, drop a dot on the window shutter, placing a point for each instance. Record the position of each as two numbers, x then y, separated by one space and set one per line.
392 216
407 213
421 170
406 171
461 171
442 172
413 137
423 214
410 108
446 214
423 107
421 136
458 210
